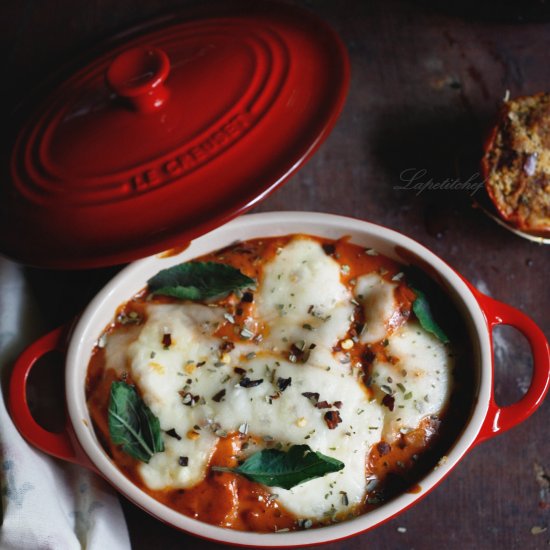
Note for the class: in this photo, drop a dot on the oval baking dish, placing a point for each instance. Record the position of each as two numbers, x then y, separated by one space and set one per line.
479 313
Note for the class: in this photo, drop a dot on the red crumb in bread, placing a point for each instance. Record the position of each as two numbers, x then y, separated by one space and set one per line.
516 163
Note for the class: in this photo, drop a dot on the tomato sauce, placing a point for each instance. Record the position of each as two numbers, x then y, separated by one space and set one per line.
228 500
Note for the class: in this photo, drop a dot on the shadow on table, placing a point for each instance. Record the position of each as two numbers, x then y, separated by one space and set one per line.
431 161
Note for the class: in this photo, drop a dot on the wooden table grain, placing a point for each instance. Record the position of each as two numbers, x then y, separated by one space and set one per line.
425 85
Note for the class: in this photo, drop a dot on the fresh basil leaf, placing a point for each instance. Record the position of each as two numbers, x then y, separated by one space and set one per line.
421 309
276 468
198 280
132 424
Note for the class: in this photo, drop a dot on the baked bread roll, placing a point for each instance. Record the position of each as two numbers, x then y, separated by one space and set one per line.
516 163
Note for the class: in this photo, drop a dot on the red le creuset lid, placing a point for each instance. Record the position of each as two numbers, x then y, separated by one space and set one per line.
169 132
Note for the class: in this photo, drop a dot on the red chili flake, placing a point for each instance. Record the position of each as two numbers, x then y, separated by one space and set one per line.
329 249
369 356
218 397
337 404
166 340
227 345
183 460
247 383
323 405
383 448
313 396
356 329
248 297
297 353
283 383
239 370
388 401
188 398
172 433
332 418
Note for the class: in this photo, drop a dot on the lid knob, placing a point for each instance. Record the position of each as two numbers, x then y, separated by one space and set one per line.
138 74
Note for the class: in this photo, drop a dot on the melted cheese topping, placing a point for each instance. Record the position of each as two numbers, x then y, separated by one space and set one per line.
302 299
377 297
192 387
419 380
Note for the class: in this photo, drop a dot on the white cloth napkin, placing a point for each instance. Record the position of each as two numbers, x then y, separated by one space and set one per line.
46 503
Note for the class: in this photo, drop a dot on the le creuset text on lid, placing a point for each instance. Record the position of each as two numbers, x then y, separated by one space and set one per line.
168 132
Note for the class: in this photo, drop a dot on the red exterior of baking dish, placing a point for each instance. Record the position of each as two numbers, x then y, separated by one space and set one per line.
494 419
498 420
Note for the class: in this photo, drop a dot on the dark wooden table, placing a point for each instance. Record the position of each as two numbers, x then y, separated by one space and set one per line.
425 84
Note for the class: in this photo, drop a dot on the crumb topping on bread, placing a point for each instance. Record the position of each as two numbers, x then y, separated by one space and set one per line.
517 163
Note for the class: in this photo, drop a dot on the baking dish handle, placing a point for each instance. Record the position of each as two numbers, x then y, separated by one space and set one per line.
60 444
500 419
